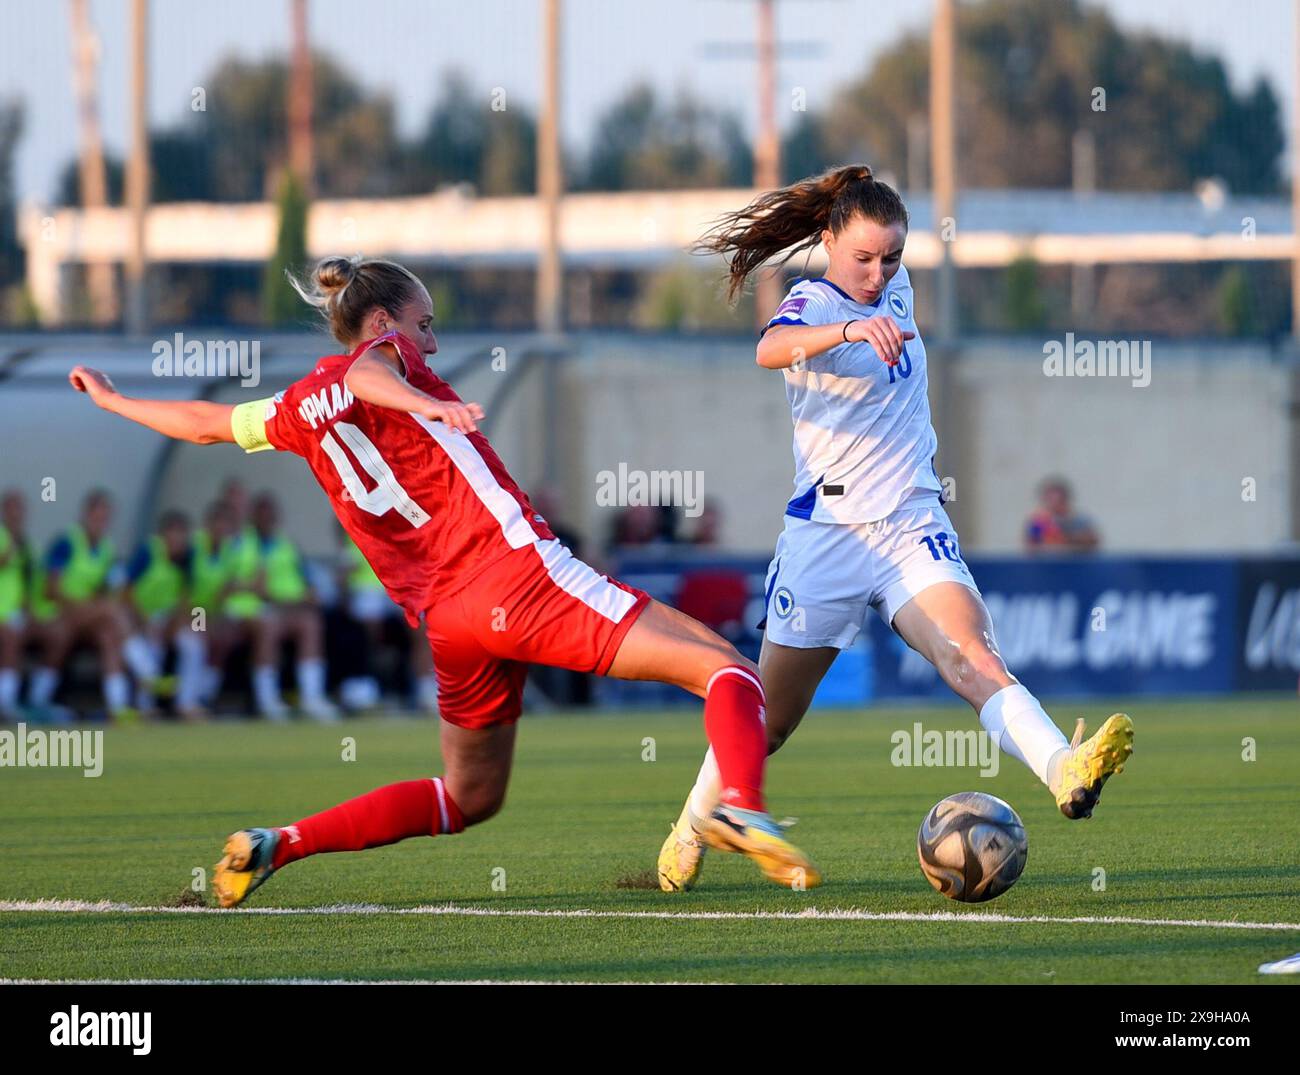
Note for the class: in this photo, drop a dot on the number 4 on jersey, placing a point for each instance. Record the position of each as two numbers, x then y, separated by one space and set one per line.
388 494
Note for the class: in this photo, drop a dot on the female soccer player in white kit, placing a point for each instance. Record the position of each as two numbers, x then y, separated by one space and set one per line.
866 528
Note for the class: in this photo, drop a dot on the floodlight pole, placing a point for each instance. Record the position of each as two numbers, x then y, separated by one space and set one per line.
91 170
301 92
1295 177
550 179
767 148
943 154
137 173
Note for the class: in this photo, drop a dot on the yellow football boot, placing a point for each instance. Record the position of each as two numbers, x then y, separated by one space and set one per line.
1090 764
682 856
245 864
755 835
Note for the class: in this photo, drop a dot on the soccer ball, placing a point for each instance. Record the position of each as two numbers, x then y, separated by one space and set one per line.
972 847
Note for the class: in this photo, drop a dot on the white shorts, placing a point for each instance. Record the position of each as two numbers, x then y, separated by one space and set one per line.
824 577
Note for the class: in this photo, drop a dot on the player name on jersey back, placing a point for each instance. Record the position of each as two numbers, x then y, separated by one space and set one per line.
429 507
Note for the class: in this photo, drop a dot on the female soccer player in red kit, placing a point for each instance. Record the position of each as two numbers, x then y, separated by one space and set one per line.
456 542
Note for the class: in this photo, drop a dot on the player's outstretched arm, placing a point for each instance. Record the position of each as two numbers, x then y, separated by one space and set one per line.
375 378
196 421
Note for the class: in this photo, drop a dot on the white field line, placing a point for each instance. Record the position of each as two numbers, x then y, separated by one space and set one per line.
850 914
317 981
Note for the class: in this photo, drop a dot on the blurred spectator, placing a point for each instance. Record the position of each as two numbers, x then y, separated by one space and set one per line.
643 524
245 611
295 612
159 581
71 600
708 526
368 606
14 569
1054 525
209 581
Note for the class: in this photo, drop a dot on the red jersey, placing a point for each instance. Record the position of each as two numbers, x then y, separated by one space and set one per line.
430 508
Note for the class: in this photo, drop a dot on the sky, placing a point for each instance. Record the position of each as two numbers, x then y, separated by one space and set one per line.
406 46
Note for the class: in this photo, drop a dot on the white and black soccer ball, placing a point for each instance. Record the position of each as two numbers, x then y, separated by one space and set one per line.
972 847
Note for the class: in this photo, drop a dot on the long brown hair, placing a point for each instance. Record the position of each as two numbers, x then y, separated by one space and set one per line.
794 217
344 290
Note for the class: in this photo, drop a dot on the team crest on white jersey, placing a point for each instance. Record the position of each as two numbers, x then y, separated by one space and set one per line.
897 305
782 602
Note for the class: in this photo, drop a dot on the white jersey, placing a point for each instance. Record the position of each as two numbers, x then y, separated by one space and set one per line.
862 434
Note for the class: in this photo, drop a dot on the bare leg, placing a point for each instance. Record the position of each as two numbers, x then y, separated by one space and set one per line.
668 646
476 768
949 626
790 677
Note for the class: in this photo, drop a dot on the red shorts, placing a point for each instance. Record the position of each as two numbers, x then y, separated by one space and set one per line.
536 605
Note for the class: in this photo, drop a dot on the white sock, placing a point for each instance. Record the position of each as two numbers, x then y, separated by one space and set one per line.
1020 727
311 679
117 691
140 658
191 669
45 681
266 687
8 690
708 788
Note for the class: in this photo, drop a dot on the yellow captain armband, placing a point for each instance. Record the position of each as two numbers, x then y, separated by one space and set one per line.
248 424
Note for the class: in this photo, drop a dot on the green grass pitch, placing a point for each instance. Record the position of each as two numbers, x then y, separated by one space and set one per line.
1190 831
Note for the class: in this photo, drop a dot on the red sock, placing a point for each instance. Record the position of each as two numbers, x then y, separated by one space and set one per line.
734 723
382 816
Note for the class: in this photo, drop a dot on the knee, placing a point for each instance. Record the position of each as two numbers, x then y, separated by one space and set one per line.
971 663
479 804
776 738
727 656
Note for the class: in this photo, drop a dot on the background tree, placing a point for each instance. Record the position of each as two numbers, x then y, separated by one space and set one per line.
467 141
281 305
1025 309
642 144
235 148
1030 74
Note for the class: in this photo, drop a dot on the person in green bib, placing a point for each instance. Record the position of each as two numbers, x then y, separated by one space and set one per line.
294 611
245 613
72 599
15 566
210 571
159 591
